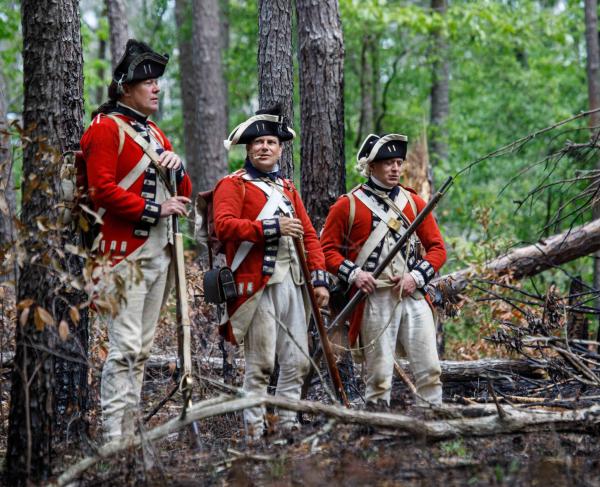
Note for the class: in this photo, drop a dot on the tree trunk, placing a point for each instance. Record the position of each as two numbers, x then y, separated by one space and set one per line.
593 73
439 92
366 120
211 163
190 87
275 66
7 192
44 401
321 55
119 29
203 91
101 57
531 260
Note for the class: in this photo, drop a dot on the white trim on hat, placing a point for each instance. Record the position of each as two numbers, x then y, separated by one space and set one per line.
363 162
237 132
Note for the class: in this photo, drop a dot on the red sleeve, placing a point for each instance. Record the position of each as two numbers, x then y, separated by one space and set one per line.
228 204
336 227
315 258
100 145
184 188
431 237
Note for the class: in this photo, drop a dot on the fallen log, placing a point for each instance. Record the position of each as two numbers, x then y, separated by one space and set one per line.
514 420
452 370
530 260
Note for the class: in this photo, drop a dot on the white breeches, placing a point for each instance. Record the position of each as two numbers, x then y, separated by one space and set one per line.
408 323
131 334
280 313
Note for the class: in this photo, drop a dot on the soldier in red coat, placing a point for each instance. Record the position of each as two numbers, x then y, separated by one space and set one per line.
257 213
360 230
129 191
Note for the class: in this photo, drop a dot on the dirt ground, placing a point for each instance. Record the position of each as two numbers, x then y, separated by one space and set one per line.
321 452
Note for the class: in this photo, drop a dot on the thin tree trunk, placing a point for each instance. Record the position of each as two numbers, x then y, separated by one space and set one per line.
365 124
275 66
7 192
321 55
119 29
101 57
438 138
43 401
190 87
593 75
211 163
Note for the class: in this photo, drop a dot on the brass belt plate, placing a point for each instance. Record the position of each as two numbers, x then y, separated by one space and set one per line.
394 224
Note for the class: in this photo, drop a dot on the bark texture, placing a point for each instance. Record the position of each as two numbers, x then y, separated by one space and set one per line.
208 163
440 103
190 85
212 164
367 93
321 55
44 401
532 259
119 29
275 66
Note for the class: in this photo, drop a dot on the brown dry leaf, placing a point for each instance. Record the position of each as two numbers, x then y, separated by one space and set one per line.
63 330
42 317
74 314
102 352
26 303
24 316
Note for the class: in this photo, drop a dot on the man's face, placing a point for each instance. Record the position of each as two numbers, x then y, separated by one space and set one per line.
387 171
264 152
142 96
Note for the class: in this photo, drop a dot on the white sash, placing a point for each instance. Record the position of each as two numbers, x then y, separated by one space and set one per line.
274 201
381 229
139 169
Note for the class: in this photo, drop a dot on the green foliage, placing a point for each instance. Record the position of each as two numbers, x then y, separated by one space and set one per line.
516 67
455 448
11 64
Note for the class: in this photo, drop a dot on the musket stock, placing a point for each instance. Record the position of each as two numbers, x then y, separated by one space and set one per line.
334 373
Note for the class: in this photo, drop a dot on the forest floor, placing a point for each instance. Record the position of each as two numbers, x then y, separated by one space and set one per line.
321 452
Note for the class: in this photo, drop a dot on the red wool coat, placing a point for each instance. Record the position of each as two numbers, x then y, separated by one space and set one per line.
237 203
336 228
105 168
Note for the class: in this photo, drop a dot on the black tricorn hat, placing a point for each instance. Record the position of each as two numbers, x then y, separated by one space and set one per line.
376 148
265 122
139 62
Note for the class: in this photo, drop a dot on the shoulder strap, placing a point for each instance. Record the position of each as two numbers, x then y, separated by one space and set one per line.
411 200
351 213
121 139
157 134
146 147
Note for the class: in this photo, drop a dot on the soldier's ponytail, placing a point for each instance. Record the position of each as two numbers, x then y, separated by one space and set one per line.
109 105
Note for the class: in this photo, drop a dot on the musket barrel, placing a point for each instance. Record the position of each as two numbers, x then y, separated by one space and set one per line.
360 295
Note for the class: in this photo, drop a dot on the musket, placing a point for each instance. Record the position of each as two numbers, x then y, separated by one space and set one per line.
183 315
412 228
334 373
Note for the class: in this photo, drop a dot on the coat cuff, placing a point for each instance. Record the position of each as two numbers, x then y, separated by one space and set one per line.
426 270
151 213
346 269
319 278
271 229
